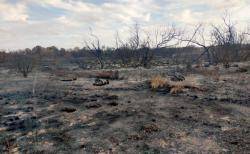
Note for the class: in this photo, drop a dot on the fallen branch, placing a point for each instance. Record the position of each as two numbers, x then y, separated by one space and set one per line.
112 75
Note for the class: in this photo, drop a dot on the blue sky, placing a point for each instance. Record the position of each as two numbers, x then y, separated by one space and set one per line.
66 23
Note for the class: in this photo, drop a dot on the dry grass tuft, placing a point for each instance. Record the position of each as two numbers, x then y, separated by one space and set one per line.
159 82
177 89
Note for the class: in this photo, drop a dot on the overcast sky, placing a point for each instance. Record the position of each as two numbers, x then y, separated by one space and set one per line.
65 23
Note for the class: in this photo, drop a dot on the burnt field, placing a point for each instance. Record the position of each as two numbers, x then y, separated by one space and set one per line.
141 111
128 76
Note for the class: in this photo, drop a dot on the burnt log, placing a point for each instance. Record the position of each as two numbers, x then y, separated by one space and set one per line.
99 82
111 75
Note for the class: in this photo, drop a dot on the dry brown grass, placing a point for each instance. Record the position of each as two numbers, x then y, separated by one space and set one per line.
158 82
177 89
190 82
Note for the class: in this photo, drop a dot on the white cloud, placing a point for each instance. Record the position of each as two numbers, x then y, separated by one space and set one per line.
71 26
120 11
10 12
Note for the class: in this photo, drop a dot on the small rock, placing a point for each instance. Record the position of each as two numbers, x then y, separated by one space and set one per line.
69 79
206 65
194 96
241 70
93 100
226 65
135 137
177 77
113 104
92 105
211 98
50 97
68 109
30 102
111 97
235 65
54 123
28 109
149 128
100 82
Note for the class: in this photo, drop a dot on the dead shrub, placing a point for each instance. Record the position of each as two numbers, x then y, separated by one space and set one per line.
23 63
229 43
125 56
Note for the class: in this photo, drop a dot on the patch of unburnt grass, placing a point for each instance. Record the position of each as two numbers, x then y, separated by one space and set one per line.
162 84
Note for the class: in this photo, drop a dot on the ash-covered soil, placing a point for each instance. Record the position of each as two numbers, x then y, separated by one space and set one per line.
42 114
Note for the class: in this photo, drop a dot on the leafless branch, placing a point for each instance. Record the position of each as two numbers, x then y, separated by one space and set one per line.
95 49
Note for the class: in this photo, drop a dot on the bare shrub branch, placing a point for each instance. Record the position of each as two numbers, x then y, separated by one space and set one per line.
24 63
95 49
198 38
228 42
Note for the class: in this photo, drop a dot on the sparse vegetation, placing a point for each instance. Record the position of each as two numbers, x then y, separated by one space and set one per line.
23 63
95 49
158 82
228 44
174 87
159 91
178 88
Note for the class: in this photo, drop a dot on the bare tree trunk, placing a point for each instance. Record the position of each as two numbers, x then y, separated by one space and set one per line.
209 57
101 63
